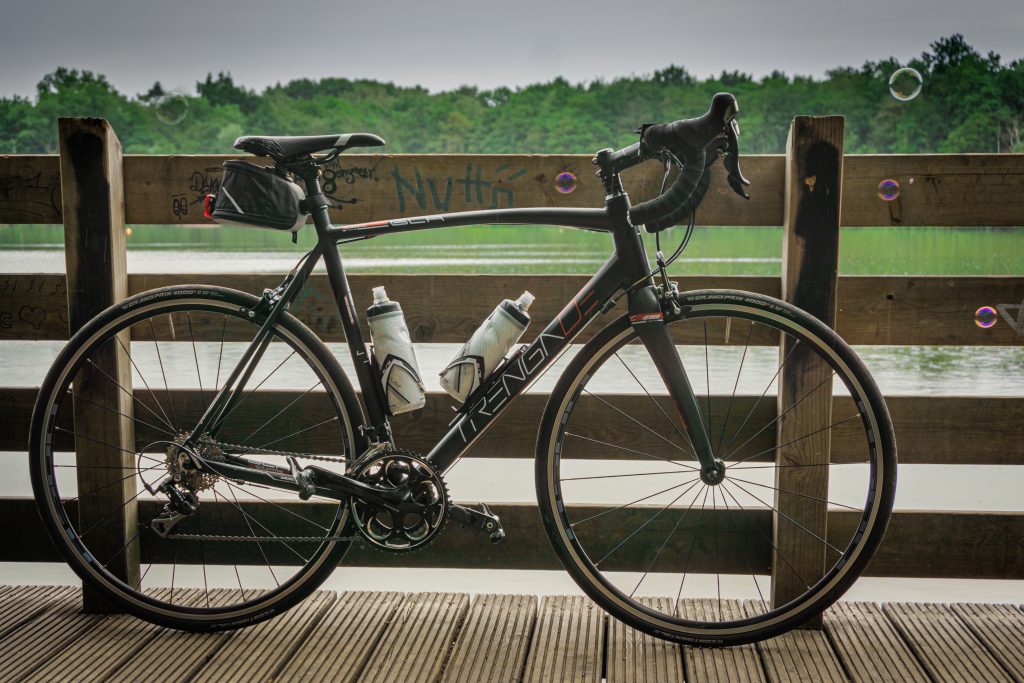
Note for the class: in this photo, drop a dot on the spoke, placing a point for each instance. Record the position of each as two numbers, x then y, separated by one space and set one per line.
753 523
118 412
605 512
799 438
728 412
282 411
644 525
305 560
290 512
615 476
167 389
252 533
114 512
759 398
199 376
780 415
707 376
112 483
665 543
718 574
815 464
238 578
104 443
693 542
630 450
202 558
130 541
657 405
220 357
743 545
262 382
783 514
794 493
304 429
144 382
132 395
633 419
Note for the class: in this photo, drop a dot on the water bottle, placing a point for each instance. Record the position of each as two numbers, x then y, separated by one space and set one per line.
392 349
485 350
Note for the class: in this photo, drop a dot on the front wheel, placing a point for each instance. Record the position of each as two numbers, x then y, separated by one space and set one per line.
718 562
112 424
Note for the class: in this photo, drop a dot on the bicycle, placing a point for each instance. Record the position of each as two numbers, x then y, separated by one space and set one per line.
215 472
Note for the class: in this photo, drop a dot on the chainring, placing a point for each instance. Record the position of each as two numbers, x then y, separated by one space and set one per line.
392 530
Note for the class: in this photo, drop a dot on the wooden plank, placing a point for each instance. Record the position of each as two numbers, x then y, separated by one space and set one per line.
869 647
810 267
92 188
20 604
416 643
943 644
740 664
568 645
169 189
340 645
494 640
1000 628
106 647
976 545
191 650
31 646
801 655
30 188
256 653
946 430
935 189
635 657
947 189
921 309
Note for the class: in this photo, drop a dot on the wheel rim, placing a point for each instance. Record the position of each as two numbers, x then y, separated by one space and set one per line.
176 353
663 520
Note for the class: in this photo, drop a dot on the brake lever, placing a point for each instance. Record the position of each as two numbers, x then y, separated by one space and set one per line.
732 160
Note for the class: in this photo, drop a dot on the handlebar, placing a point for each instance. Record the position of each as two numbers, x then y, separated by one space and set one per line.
694 145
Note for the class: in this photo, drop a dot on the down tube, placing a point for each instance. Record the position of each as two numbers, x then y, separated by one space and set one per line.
526 366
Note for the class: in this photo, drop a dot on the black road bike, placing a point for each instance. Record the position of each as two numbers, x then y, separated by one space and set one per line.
649 495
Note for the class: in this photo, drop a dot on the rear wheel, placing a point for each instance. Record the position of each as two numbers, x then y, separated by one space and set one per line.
677 556
141 373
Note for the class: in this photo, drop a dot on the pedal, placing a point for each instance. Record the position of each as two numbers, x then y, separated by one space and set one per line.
480 520
302 478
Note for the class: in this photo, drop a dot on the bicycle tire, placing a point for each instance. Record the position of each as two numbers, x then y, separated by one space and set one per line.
155 314
689 620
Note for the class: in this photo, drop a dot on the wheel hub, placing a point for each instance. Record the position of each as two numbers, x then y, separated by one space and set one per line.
714 475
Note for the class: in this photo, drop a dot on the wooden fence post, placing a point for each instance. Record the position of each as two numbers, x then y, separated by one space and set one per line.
810 266
92 188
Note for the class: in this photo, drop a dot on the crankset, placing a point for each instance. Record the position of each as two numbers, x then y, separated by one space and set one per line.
423 501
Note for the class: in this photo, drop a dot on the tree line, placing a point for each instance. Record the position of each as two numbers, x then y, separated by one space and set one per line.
968 102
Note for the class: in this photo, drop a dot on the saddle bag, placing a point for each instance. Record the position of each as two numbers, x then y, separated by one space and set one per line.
256 196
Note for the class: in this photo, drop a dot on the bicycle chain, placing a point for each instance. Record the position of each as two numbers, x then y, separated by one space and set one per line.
266 539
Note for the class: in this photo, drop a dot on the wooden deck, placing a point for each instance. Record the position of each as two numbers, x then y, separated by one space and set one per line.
448 637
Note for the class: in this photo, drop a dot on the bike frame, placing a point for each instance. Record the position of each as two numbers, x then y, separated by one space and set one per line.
626 271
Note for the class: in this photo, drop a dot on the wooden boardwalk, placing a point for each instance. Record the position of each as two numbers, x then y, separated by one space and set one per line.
449 637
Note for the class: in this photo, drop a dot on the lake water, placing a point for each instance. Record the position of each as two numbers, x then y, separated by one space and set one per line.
727 251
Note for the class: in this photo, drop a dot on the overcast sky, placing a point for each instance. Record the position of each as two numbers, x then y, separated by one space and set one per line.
442 44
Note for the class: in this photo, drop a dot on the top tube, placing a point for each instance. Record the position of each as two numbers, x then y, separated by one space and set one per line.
585 219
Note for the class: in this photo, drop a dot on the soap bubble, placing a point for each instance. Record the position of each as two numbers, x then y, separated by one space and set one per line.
985 317
888 190
905 84
171 109
565 182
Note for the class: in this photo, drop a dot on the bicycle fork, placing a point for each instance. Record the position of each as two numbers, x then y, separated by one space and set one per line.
647 317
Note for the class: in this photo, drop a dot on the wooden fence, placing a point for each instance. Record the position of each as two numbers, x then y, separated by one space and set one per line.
949 190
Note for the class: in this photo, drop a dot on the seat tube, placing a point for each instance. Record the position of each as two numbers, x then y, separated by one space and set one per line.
373 393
